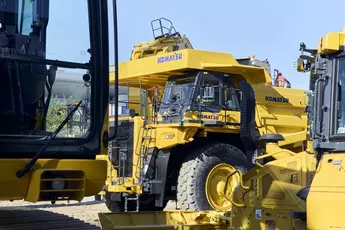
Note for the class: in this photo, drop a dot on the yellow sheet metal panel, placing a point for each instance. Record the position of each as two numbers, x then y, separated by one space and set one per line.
13 188
326 199
181 220
332 42
272 195
281 110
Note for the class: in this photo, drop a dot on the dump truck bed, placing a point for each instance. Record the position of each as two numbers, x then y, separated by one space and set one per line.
158 68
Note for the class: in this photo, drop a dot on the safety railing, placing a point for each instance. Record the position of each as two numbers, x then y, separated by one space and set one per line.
163 26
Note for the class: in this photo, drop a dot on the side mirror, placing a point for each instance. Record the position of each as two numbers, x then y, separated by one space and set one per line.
300 65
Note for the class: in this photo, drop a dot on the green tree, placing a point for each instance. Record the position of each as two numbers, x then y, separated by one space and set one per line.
57 112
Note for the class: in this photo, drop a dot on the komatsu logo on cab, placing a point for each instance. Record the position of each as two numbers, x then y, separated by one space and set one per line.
277 99
169 58
205 116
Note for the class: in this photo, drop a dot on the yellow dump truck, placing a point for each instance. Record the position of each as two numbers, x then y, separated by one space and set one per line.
187 111
302 190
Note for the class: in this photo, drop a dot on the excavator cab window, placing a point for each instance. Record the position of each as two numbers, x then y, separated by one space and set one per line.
48 64
37 96
25 13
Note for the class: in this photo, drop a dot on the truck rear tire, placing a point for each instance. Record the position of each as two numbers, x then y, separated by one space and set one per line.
191 191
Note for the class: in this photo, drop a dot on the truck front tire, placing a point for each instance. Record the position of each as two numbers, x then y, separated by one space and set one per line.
191 194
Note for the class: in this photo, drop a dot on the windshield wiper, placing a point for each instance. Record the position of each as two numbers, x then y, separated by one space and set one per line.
29 165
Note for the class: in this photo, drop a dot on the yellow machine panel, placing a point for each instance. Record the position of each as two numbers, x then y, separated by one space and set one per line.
327 194
167 220
271 194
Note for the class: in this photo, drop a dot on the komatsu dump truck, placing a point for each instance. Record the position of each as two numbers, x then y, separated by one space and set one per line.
285 190
187 111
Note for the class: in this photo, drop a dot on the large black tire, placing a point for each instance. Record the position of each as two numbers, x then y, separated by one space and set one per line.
146 204
195 169
112 205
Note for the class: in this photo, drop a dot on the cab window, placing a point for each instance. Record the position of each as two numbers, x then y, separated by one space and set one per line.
230 97
25 16
209 93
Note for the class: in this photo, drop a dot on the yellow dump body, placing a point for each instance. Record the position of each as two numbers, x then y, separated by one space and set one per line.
155 70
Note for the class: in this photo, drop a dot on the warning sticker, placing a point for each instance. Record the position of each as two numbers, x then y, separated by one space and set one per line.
258 214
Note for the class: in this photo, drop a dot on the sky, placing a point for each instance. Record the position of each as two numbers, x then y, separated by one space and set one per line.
271 29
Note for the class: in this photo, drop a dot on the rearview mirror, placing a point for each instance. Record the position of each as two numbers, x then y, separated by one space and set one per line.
300 65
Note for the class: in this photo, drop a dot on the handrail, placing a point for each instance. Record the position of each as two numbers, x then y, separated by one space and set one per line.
241 184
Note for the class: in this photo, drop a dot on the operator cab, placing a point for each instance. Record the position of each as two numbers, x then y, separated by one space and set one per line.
327 96
198 92
48 65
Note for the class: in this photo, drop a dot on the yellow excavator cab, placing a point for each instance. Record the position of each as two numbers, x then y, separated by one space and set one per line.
54 83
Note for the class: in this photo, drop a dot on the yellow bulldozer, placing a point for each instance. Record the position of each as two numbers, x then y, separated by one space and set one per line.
285 189
186 111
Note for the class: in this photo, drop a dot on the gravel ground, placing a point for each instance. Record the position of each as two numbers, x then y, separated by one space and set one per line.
87 210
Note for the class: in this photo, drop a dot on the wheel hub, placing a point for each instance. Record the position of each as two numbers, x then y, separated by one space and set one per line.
216 184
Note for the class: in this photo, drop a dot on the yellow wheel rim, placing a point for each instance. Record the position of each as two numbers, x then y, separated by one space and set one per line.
216 184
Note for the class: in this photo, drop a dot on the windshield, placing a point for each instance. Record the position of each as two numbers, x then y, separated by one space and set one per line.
179 91
44 67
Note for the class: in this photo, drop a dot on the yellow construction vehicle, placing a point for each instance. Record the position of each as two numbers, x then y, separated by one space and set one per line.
290 190
327 73
49 63
187 111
